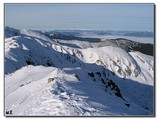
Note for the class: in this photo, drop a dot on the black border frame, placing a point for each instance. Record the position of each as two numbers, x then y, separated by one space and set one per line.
154 56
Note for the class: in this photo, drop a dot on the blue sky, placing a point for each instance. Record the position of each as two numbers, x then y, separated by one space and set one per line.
134 17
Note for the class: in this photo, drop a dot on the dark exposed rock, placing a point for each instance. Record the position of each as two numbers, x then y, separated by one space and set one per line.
77 77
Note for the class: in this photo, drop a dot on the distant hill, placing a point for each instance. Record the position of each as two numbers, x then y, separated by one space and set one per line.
128 45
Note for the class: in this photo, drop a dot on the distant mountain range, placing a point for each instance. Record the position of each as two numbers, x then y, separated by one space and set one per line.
125 44
105 32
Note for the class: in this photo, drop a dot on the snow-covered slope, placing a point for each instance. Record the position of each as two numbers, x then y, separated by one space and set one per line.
66 95
9 32
92 81
131 65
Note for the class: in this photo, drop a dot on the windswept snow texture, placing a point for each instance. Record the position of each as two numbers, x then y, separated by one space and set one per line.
51 77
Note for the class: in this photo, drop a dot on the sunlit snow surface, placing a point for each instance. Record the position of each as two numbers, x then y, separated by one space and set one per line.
28 93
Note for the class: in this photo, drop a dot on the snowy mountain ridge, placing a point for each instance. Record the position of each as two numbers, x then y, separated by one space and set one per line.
122 80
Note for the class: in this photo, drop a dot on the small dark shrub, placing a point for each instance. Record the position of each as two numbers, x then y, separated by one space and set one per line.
103 81
91 74
127 105
118 94
98 73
